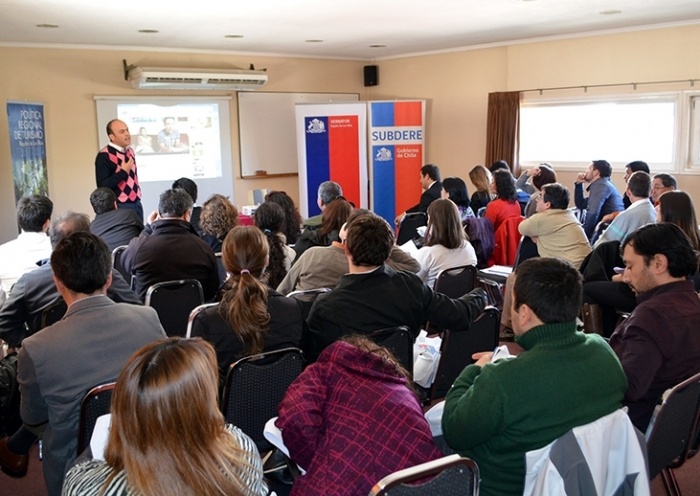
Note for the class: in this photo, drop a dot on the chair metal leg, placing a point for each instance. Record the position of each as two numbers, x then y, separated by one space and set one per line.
670 482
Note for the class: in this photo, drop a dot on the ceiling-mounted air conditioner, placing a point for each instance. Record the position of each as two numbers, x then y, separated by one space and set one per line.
168 78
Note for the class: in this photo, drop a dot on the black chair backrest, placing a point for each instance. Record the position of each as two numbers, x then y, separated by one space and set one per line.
117 262
457 281
458 346
174 300
193 315
409 224
448 476
96 403
674 427
53 313
307 298
223 275
399 341
254 388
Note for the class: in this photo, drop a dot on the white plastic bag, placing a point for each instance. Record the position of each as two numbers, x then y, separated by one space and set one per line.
426 358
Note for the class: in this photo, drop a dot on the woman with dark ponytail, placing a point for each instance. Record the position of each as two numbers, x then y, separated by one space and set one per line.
251 318
269 217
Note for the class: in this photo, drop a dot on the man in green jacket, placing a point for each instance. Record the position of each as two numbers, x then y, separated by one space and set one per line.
497 412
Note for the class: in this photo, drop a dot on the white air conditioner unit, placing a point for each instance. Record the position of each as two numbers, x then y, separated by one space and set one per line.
167 78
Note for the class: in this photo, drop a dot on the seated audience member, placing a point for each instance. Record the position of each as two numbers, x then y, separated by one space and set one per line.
446 244
662 183
639 213
35 291
496 412
531 181
602 198
334 216
554 228
658 344
505 205
322 266
522 196
349 420
217 218
327 192
455 189
89 346
251 318
373 296
21 255
432 188
171 249
292 217
190 188
630 169
556 233
269 218
603 298
481 179
167 434
116 226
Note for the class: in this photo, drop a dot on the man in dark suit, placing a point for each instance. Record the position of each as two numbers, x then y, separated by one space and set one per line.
432 188
116 226
169 248
89 346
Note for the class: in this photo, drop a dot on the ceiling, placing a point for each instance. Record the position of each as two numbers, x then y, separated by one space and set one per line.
347 28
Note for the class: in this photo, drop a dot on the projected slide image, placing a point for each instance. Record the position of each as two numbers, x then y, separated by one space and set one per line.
173 141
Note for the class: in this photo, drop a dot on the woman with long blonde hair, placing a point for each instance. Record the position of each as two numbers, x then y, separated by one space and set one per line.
481 179
252 317
167 434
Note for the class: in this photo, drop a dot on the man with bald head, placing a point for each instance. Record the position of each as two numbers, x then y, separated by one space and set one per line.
115 167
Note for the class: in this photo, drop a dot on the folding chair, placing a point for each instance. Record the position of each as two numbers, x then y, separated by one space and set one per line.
399 341
95 404
307 298
117 263
53 313
174 300
673 432
451 475
223 274
456 281
193 315
408 226
457 349
254 388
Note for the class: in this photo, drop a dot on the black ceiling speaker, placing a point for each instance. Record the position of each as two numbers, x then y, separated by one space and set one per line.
371 75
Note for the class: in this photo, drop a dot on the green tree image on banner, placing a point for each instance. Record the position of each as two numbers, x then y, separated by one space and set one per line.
28 148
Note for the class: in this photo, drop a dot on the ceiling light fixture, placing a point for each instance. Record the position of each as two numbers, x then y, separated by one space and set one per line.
377 46
50 26
148 31
314 41
610 12
233 36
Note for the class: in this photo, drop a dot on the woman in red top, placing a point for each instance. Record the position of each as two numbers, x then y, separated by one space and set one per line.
506 203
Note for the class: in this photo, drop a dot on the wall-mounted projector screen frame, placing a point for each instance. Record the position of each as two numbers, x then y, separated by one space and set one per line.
267 130
197 146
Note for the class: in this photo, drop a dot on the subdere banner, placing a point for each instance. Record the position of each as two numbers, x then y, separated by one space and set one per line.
397 138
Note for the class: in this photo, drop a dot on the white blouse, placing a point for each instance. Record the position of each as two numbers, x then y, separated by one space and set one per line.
436 258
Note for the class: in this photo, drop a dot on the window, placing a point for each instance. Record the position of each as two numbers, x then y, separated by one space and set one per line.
619 130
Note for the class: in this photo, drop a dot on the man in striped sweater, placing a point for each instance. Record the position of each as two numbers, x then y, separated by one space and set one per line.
115 168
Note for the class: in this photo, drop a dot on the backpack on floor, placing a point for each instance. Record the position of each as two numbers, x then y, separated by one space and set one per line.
9 395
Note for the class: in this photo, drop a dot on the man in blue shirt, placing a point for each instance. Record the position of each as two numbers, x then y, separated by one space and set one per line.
603 198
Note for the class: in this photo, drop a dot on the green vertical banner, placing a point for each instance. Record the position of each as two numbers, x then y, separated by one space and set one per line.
28 148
